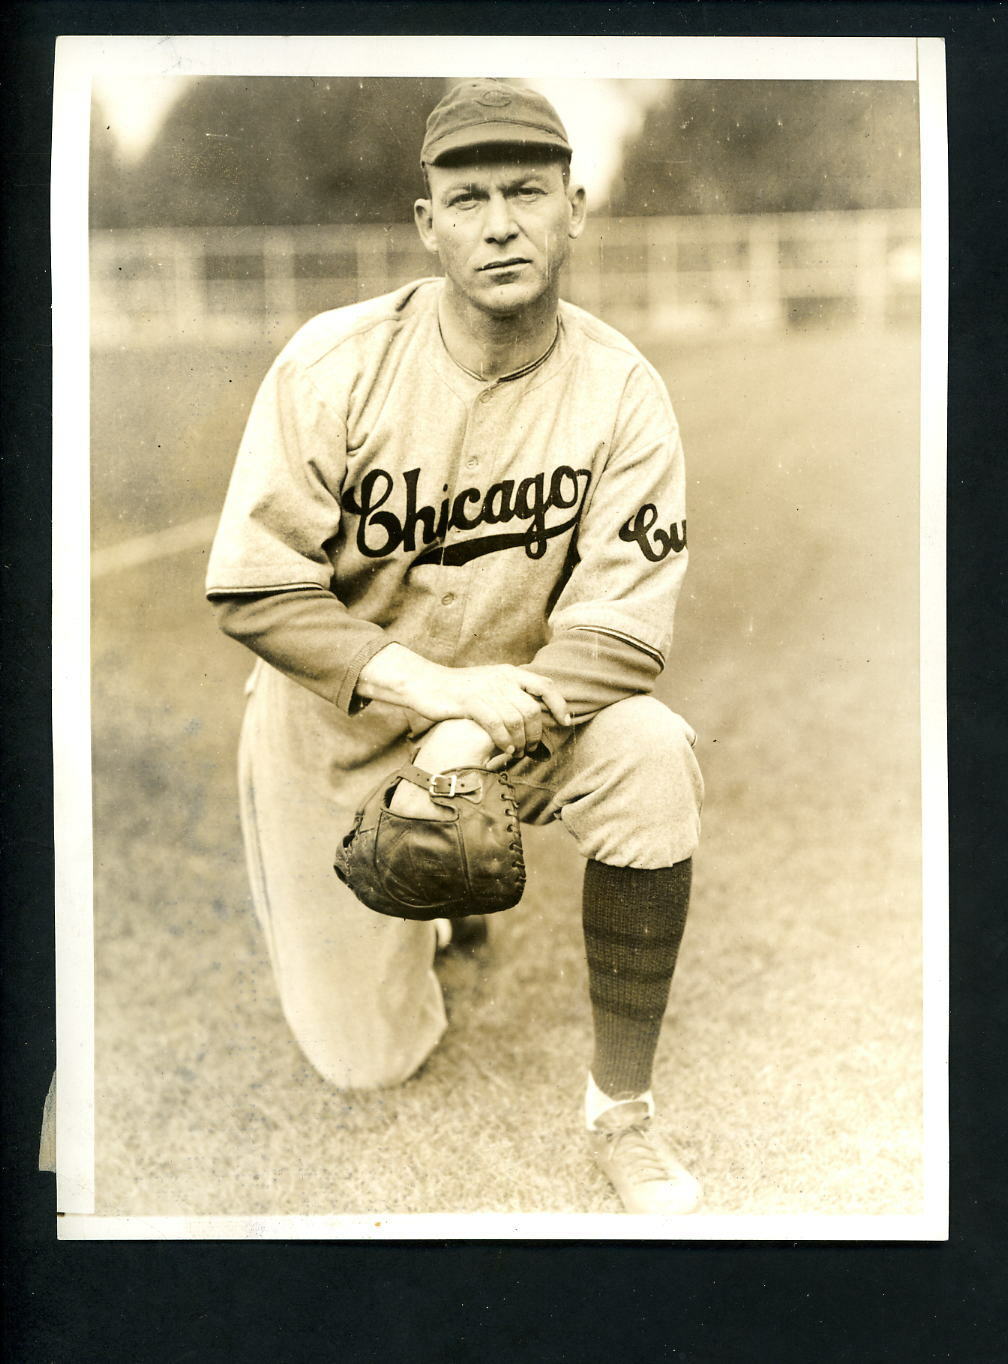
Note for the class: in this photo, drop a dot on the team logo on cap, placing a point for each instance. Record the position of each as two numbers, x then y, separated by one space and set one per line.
495 98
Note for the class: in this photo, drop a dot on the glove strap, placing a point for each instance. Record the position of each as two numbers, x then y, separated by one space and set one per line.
465 783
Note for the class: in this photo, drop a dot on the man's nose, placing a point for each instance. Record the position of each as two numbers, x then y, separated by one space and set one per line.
498 223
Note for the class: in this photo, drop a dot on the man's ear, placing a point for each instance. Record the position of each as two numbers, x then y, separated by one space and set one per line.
578 210
424 219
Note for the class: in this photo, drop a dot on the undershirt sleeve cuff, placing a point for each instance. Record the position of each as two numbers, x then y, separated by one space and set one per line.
592 669
309 636
346 698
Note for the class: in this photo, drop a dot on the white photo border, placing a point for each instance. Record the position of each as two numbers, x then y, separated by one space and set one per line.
82 59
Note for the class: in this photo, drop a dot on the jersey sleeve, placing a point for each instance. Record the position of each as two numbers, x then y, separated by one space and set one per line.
630 555
282 506
269 554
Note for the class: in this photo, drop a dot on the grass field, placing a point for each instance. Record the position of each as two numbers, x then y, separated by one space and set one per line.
789 1073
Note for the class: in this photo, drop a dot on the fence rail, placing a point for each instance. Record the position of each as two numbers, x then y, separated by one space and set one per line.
233 285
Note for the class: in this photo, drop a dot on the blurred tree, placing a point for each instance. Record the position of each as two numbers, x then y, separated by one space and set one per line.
773 146
271 149
106 171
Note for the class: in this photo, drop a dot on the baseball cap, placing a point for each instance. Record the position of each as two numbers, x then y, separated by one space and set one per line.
482 113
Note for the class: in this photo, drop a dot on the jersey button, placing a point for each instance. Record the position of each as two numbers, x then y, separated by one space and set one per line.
472 463
486 395
447 599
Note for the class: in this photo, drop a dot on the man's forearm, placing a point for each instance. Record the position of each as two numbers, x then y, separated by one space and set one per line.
306 634
311 637
399 676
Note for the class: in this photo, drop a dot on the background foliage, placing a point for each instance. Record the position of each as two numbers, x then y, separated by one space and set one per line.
298 150
773 147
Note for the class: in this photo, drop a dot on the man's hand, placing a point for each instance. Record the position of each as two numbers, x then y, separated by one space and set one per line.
503 700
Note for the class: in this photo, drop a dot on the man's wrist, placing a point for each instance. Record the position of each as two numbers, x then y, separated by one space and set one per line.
456 743
392 675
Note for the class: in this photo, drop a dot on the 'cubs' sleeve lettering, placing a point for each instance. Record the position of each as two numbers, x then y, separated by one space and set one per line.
307 635
631 545
282 506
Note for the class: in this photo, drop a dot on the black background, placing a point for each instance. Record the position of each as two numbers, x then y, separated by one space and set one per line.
548 1301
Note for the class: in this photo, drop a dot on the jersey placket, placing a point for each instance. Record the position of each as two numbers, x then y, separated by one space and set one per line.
477 459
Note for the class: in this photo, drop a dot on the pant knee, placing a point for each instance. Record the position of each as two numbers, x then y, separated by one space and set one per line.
651 749
371 1039
643 797
342 1073
668 743
347 1064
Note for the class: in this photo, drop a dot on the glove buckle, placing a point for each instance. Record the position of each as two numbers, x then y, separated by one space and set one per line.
449 786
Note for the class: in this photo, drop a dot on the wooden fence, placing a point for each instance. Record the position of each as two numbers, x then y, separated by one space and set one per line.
156 287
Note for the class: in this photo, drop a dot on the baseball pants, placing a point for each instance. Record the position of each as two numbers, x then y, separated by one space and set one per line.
358 988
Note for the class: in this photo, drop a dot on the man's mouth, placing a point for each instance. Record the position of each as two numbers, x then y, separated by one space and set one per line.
511 263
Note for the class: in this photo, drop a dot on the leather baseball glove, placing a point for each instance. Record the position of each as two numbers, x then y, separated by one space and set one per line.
468 861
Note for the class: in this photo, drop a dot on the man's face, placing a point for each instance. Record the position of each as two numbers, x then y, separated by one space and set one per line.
501 228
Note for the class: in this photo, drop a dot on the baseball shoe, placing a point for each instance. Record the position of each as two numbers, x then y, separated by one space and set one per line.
644 1173
468 933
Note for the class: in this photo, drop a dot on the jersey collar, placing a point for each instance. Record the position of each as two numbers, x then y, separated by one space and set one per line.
503 378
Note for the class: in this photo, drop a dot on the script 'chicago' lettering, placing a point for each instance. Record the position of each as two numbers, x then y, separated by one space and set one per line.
381 531
655 544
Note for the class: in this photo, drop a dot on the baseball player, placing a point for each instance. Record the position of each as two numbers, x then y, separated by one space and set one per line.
455 533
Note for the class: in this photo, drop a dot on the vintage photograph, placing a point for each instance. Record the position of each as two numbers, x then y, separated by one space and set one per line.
471 842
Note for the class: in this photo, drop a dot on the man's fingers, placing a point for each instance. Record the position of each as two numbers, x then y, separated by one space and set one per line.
533 716
494 726
531 731
515 722
503 722
507 705
548 692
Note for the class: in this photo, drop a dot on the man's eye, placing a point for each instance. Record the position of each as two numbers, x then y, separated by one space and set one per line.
462 201
529 192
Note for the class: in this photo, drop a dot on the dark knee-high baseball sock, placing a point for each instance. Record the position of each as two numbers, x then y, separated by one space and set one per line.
633 925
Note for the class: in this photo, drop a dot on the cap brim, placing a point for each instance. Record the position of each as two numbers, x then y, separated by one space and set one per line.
491 135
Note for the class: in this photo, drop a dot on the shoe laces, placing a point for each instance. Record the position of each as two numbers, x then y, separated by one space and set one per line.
633 1147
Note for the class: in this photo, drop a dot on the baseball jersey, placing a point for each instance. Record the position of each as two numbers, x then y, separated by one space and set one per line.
473 521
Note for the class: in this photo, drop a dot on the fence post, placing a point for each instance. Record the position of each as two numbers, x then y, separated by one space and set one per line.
872 281
279 281
765 278
663 237
183 254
